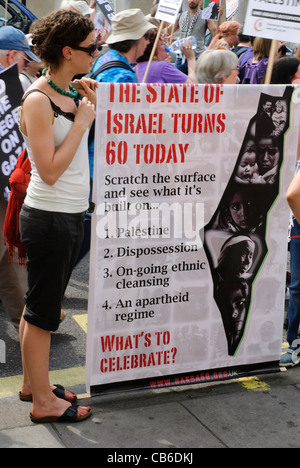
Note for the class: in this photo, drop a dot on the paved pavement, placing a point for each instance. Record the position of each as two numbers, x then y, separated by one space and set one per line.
252 412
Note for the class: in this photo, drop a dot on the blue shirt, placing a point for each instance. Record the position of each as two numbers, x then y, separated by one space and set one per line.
114 75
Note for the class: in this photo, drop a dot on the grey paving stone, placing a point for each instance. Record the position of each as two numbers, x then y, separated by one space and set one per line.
252 419
30 437
156 426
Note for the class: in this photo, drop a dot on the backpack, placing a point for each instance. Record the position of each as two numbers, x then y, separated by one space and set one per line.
241 51
255 72
93 75
107 66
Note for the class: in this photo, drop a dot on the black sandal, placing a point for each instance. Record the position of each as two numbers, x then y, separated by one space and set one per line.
59 392
70 415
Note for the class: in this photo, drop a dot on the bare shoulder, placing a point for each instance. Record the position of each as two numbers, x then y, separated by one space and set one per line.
36 99
36 109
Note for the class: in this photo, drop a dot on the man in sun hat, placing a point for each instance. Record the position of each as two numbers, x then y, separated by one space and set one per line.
14 48
127 42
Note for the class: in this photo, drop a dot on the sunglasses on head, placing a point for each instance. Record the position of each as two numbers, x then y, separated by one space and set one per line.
91 50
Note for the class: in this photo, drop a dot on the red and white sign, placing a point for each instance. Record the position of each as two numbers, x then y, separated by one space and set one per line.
173 203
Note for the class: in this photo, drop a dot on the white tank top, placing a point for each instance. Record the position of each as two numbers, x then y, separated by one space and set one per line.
70 192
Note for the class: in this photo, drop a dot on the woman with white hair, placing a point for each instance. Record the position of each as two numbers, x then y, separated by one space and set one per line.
217 67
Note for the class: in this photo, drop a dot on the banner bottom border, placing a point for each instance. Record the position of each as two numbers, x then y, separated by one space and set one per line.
212 376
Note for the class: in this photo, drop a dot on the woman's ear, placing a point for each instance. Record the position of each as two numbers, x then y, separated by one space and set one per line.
67 52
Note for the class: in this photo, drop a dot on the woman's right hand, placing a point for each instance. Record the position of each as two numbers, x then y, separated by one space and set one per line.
186 49
86 113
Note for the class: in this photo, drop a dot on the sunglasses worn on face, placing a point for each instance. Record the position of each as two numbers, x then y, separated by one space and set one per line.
89 50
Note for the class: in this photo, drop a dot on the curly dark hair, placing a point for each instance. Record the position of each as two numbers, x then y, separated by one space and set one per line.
57 30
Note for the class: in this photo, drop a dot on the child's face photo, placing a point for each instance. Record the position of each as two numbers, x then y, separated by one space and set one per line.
248 166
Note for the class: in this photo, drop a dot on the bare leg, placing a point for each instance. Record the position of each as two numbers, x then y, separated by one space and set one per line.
35 353
26 387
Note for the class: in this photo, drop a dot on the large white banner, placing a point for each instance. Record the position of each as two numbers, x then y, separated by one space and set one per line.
278 20
189 237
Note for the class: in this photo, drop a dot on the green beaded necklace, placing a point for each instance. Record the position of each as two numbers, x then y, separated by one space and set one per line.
73 94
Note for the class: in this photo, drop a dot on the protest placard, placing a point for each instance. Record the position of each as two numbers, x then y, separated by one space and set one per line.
175 207
232 7
211 10
11 140
277 20
168 10
106 9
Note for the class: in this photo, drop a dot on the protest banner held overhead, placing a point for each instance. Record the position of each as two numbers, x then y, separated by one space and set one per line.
174 208
11 140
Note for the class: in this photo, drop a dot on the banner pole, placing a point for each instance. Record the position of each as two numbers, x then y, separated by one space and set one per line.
273 49
298 52
170 40
153 50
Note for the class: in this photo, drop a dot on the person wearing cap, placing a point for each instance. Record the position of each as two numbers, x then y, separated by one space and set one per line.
14 48
78 6
13 278
32 70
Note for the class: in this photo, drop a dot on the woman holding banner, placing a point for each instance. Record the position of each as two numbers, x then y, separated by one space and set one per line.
51 221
